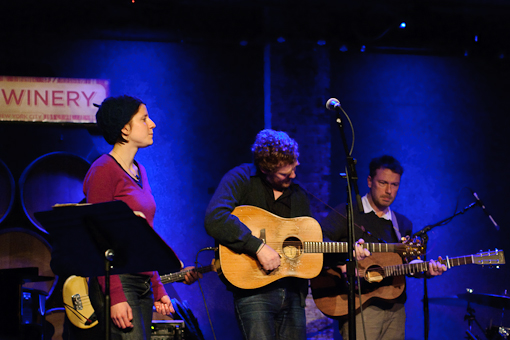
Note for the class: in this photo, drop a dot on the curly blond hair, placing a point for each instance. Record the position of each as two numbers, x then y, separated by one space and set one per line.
273 149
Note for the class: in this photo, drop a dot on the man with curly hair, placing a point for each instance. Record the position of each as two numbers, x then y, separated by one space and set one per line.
275 311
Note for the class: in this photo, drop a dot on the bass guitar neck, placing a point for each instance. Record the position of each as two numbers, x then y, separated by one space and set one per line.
179 276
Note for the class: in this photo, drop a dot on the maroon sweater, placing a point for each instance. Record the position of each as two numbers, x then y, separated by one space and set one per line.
107 181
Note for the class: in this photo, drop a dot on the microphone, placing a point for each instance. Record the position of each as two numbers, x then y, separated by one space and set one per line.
333 104
480 203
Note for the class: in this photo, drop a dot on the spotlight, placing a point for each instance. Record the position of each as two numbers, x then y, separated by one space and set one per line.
403 25
321 42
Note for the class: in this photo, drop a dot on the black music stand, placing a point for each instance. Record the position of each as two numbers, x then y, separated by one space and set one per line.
101 239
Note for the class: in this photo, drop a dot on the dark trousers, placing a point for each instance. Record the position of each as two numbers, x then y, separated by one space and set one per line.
138 292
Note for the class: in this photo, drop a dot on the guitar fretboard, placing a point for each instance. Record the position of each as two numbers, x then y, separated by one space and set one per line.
342 247
406 269
179 276
412 268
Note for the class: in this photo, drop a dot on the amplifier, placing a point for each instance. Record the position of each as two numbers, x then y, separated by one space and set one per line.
167 330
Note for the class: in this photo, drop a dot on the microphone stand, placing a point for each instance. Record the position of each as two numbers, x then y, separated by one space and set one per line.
352 178
423 235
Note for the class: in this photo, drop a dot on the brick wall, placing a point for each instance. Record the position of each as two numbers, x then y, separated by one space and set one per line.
300 80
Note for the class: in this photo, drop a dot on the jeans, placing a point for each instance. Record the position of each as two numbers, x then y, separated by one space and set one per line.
271 315
138 292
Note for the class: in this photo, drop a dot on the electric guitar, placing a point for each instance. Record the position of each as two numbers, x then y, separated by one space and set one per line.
383 278
77 304
298 240
79 310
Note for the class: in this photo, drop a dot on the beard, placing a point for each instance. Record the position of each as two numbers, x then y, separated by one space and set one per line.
281 186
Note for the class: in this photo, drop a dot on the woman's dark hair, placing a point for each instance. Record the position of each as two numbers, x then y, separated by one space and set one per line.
113 114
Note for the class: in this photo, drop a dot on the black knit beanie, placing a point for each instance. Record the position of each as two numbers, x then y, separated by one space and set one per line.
114 113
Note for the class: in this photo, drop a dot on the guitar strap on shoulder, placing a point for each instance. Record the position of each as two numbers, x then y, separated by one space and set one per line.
395 225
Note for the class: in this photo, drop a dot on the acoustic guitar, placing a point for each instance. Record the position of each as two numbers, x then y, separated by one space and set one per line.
77 304
298 240
383 277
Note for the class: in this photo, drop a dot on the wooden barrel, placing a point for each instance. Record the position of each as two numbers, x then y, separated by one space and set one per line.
7 190
54 328
53 178
23 248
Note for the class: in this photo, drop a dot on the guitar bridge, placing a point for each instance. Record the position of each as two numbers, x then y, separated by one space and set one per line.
77 302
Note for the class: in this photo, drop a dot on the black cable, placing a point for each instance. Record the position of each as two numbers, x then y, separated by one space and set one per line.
202 291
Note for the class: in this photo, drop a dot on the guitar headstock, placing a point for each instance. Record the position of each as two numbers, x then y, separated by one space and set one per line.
410 247
493 258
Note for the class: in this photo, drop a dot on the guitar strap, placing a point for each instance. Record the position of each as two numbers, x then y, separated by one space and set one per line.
395 225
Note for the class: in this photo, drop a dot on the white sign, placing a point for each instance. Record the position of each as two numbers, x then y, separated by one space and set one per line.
51 100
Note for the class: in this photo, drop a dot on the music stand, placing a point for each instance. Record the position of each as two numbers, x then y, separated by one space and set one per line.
101 239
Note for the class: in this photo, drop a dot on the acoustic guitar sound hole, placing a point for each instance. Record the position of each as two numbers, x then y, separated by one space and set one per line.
292 247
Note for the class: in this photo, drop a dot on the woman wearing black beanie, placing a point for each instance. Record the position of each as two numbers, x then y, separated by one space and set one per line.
124 122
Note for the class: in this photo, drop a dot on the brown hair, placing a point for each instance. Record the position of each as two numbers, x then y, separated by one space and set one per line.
385 162
273 149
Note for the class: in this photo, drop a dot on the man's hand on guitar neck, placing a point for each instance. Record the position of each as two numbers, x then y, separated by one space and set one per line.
269 259
191 275
360 253
436 268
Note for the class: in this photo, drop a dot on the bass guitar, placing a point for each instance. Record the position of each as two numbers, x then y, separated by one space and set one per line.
77 304
298 240
383 278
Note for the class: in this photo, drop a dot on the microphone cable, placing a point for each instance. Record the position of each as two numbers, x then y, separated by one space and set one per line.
202 290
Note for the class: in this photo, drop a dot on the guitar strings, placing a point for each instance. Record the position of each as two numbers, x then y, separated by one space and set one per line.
77 313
